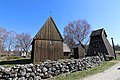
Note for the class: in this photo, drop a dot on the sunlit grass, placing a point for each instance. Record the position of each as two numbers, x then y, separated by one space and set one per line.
81 74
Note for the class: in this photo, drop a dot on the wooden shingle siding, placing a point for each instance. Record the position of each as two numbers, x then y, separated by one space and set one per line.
46 51
79 51
99 44
48 43
49 31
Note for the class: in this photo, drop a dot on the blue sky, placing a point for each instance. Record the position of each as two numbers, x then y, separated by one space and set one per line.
29 15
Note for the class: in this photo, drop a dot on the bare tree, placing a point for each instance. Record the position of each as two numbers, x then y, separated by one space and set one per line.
3 37
10 41
23 41
117 47
77 32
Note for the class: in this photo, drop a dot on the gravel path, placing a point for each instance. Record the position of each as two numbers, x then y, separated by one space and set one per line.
112 73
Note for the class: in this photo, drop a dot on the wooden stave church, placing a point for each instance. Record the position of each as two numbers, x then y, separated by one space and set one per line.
47 43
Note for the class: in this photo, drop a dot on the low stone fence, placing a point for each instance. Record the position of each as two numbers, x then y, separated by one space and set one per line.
47 69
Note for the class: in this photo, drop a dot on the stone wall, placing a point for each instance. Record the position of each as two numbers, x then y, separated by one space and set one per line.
47 69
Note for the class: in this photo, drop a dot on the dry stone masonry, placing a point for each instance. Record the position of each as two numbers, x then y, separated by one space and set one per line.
47 69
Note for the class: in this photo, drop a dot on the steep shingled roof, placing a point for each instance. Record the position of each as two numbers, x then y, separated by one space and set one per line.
98 32
48 31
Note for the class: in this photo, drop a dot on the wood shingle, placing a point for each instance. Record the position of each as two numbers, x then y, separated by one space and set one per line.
100 44
47 43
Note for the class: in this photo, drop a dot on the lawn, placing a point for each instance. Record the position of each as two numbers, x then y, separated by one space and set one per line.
118 58
15 62
81 74
72 76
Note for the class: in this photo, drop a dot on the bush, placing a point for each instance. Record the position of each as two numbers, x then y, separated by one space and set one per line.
13 57
2 55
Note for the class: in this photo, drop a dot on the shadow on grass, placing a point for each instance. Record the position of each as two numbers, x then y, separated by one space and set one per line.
22 61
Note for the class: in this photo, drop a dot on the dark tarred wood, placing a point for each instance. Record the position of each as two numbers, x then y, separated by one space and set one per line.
48 43
100 44
79 51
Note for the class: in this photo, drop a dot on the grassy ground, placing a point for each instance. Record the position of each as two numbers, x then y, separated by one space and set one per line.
79 75
15 62
118 58
72 76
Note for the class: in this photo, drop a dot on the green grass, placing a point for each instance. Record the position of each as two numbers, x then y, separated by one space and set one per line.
15 62
81 74
72 76
8 65
118 58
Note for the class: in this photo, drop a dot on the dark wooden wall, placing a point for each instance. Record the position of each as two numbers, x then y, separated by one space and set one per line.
66 55
44 50
96 45
100 44
79 52
48 43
